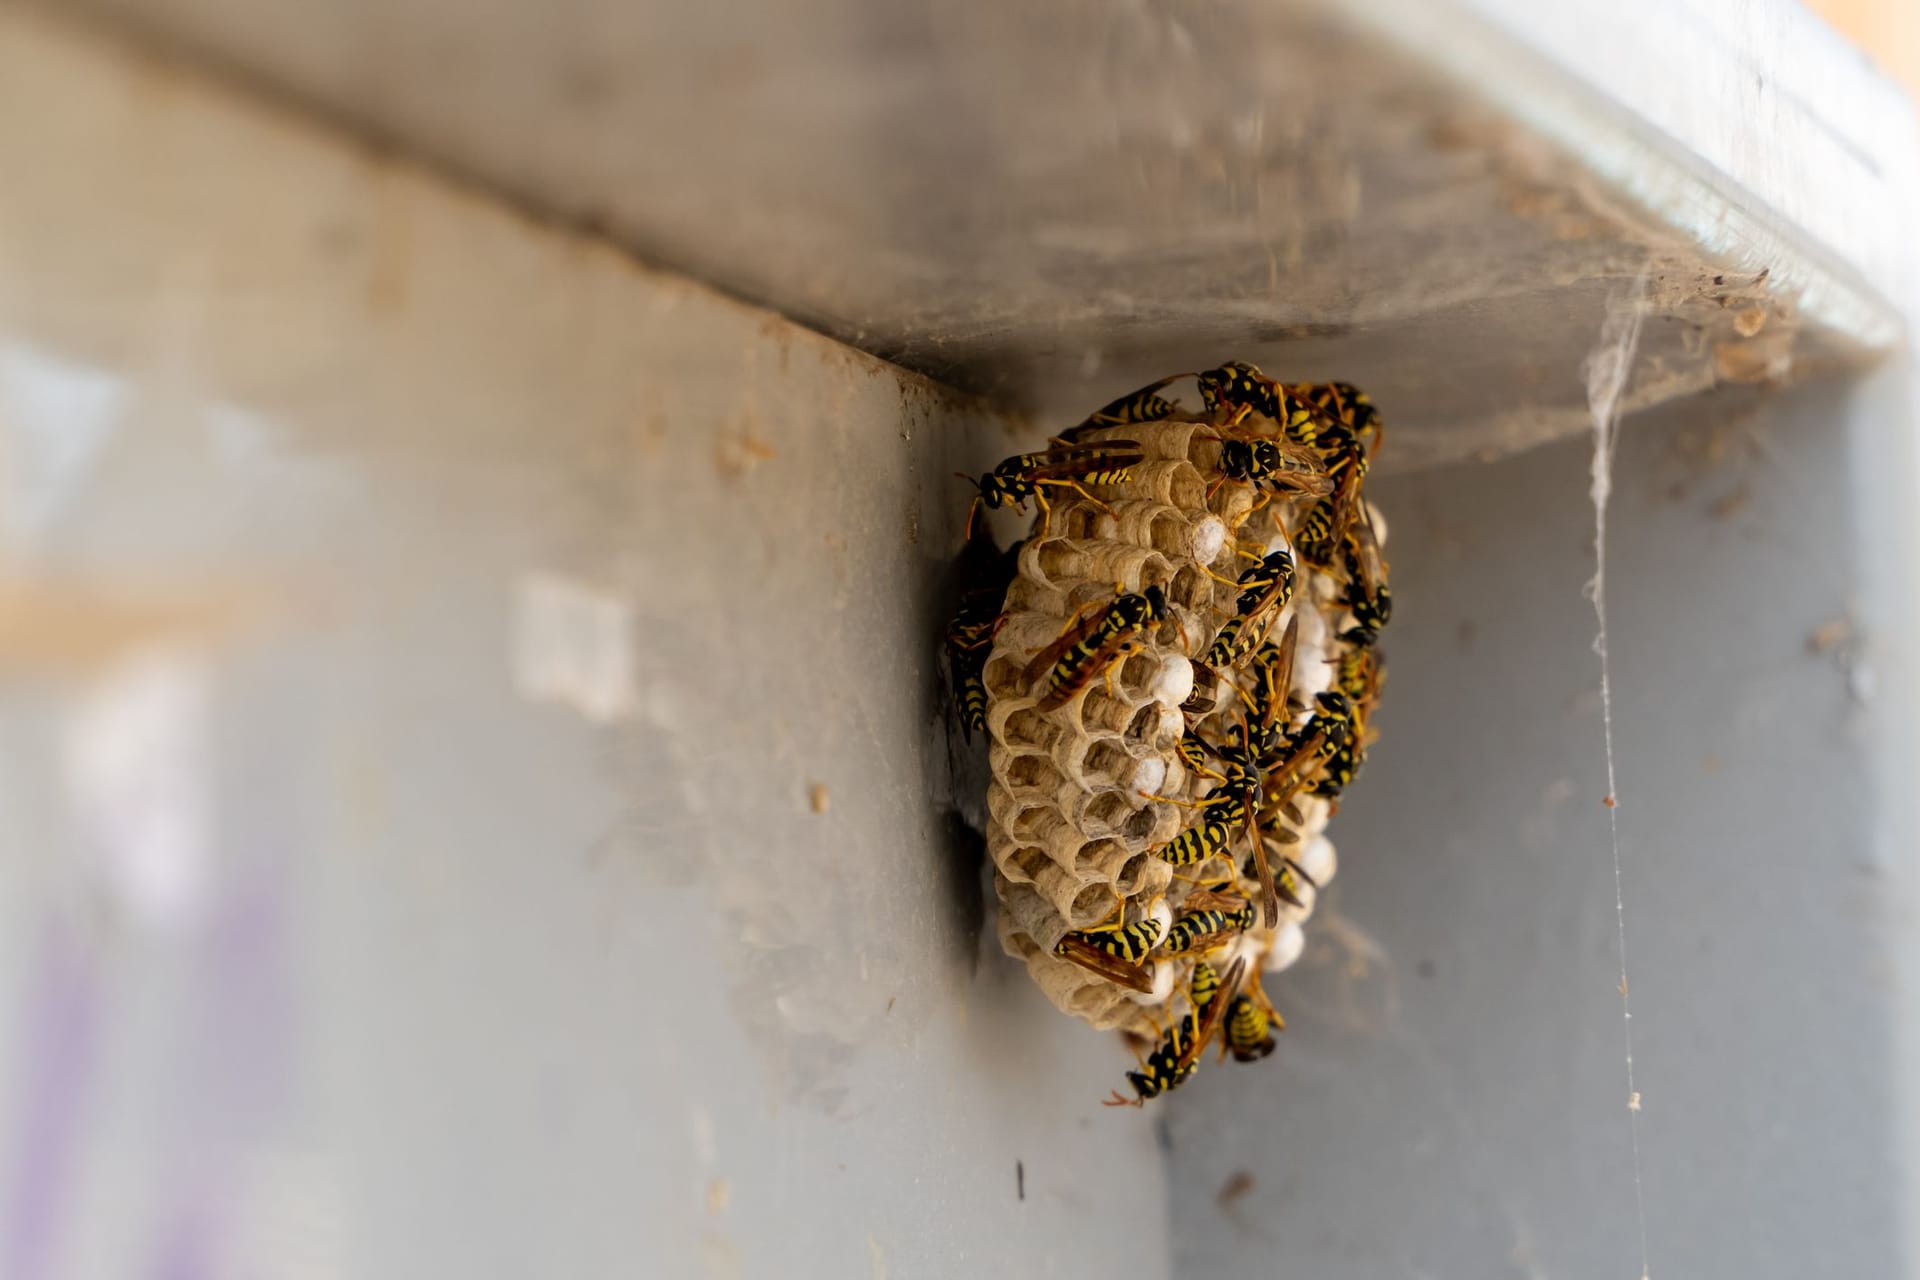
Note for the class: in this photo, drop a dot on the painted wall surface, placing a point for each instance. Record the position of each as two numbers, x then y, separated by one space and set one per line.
1450 1098
469 743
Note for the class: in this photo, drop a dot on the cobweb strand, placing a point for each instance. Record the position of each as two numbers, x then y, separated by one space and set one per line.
1607 369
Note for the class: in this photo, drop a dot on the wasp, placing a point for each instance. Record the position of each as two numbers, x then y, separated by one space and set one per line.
1359 673
1345 404
1338 767
1366 594
1286 881
1273 572
1237 801
1202 987
1256 609
1249 800
967 665
1321 530
1030 475
1239 388
1144 405
1172 1063
1209 920
1314 535
1241 797
1090 647
1342 754
1272 466
1193 749
1271 697
1167 1068
1115 954
1251 1022
969 643
1325 739
1205 840
970 636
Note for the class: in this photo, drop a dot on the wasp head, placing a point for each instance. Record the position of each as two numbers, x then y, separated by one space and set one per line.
996 492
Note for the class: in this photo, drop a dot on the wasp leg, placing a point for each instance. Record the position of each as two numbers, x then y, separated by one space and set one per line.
1199 883
1077 487
1204 772
1073 620
1114 919
1208 803
1046 512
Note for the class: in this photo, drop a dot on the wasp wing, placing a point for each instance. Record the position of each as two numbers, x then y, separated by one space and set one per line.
1072 461
1112 968
1208 1024
1110 651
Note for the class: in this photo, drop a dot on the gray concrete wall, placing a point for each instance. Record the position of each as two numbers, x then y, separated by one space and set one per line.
475 791
1449 1099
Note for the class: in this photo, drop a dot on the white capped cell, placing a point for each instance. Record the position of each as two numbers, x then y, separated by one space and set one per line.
1172 683
1317 859
1288 943
1207 539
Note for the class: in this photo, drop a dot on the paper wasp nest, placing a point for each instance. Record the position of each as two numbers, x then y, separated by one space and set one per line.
1071 825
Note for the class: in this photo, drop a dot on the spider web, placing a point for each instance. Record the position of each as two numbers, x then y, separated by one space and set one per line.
1607 368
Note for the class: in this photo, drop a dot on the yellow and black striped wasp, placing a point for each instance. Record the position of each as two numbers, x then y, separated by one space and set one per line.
1359 674
1273 845
1270 570
969 638
1315 415
1269 589
1272 692
1144 405
1177 1057
1209 919
1237 801
1091 646
1317 755
1238 389
1030 475
1345 404
1250 1024
1272 467
1366 595
968 648
1241 798
1267 585
1116 954
1206 839
1246 784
